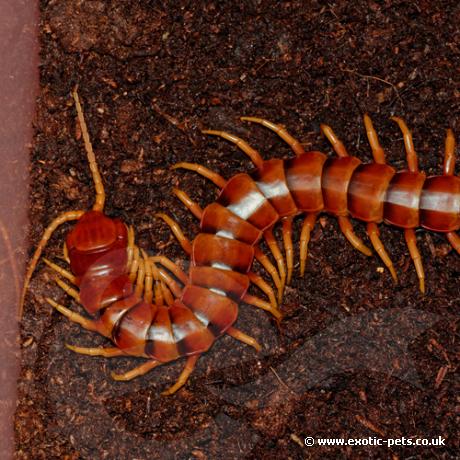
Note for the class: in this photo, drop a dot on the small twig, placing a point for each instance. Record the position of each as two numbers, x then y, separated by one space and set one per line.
395 89
368 424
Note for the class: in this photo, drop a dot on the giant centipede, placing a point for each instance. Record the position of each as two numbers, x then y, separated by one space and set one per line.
115 279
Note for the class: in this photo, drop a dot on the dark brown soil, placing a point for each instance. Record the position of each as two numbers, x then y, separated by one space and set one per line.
356 356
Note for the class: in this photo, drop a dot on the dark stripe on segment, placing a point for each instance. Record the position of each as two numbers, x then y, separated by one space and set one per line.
215 311
234 284
440 204
190 334
161 344
367 190
303 177
212 250
402 200
131 330
110 317
271 180
220 220
242 197
335 180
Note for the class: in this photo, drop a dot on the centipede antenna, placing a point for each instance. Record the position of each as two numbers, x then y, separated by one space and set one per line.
66 217
281 131
449 158
98 185
253 154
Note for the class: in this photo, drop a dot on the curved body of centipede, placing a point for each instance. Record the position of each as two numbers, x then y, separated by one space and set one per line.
249 205
116 283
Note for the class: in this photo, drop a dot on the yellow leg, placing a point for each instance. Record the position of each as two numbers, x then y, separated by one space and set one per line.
203 171
242 337
411 241
336 143
175 228
97 351
412 160
183 377
307 227
373 232
270 268
191 205
148 282
65 253
259 303
172 285
140 278
66 217
134 264
136 372
275 250
449 157
288 248
454 240
167 294
281 131
264 287
253 154
350 235
100 194
60 270
69 290
172 267
86 323
377 150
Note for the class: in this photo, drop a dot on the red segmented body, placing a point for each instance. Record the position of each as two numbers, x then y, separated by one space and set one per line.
116 283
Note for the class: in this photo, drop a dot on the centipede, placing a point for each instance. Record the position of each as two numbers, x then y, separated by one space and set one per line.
148 307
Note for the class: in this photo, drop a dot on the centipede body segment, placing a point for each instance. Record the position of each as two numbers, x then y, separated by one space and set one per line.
148 307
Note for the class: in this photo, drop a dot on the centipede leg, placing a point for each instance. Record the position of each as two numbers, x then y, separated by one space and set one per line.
242 337
352 237
134 264
281 131
63 218
454 240
66 288
130 248
167 294
411 241
307 227
336 143
377 150
270 268
275 250
373 232
140 278
86 323
411 155
217 179
259 303
136 372
191 205
108 352
288 248
65 253
449 157
60 270
172 267
177 231
148 282
172 285
253 154
183 377
264 287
